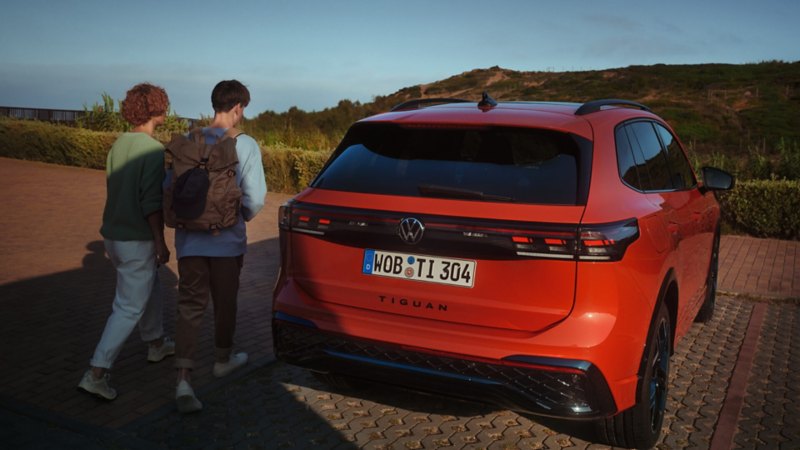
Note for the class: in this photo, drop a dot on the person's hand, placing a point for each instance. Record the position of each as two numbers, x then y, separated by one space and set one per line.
162 252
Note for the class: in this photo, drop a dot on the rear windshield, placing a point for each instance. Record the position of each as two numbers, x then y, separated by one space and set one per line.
519 165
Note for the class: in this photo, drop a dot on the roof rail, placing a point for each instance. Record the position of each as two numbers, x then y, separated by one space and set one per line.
594 106
421 101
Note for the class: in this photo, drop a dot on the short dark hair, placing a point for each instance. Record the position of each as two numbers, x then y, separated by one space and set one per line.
227 94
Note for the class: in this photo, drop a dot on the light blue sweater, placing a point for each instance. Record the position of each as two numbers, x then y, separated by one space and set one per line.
231 241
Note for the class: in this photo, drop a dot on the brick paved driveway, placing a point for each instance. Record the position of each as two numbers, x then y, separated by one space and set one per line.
56 286
282 406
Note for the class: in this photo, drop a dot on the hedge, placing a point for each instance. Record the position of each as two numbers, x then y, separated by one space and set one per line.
764 208
40 141
291 170
287 170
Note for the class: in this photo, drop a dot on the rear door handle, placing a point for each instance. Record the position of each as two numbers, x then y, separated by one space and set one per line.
697 216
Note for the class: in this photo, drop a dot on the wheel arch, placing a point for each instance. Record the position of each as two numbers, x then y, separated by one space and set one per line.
667 295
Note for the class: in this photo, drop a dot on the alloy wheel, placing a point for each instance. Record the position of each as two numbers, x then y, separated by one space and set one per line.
659 376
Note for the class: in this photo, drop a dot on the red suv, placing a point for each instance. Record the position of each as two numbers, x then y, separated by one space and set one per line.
544 257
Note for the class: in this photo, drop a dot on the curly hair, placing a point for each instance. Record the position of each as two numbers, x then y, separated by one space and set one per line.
143 102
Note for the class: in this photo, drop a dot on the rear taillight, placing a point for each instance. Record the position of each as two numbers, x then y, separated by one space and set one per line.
606 242
472 237
596 242
285 216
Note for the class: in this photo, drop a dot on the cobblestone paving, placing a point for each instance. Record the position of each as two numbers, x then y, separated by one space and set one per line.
282 406
18 432
770 417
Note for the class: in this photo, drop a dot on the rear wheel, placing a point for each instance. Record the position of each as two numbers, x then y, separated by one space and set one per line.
707 310
640 425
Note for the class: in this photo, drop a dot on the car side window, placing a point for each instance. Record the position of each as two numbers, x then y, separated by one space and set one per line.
682 176
638 158
625 161
654 156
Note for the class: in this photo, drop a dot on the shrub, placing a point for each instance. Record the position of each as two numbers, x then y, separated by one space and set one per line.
290 170
789 166
103 118
757 167
764 208
55 144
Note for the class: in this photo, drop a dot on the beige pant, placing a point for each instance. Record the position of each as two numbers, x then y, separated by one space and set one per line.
199 276
137 299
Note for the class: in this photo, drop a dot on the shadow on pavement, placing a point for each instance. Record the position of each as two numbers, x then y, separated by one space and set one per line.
53 323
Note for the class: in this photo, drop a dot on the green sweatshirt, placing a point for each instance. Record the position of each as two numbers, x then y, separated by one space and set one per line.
134 173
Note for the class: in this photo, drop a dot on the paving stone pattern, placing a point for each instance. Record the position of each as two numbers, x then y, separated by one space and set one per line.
18 432
759 266
770 417
282 406
56 289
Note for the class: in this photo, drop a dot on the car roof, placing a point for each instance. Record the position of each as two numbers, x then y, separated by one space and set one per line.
559 116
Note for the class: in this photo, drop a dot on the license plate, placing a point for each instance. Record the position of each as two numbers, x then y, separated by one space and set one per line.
430 269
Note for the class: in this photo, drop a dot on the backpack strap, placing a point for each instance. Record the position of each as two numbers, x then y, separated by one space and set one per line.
197 136
231 133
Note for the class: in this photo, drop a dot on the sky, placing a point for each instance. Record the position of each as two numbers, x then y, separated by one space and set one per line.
311 54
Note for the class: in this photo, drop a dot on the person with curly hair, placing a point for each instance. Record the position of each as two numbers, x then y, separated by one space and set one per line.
133 232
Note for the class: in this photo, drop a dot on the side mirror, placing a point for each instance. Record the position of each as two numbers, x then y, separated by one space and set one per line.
717 179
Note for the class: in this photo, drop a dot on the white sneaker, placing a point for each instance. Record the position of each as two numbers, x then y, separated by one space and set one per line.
97 387
186 400
156 354
235 362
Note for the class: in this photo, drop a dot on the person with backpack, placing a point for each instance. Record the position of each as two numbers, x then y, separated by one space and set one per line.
133 232
216 184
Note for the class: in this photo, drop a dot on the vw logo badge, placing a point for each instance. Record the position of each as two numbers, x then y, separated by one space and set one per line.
410 230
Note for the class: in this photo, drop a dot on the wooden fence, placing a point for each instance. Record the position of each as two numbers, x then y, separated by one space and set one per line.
59 115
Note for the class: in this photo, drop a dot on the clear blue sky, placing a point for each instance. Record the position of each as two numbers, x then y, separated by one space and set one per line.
311 54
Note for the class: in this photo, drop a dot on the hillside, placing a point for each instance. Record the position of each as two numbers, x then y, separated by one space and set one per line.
713 107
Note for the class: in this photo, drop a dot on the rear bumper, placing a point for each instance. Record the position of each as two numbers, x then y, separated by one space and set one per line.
552 387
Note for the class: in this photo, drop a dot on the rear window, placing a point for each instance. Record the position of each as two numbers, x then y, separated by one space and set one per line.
519 165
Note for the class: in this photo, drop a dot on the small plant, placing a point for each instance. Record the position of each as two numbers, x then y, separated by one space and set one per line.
173 123
103 118
789 166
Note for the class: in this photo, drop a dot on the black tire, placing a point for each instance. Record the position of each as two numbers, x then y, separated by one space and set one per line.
335 381
640 426
707 310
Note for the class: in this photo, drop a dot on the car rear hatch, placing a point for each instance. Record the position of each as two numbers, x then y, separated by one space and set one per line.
465 224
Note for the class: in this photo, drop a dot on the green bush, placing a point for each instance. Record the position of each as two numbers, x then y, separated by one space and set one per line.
789 166
290 170
764 208
103 118
55 144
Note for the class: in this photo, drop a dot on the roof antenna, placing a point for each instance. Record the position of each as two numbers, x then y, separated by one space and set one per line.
487 101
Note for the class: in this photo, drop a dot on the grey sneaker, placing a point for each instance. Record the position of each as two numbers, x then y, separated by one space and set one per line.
156 354
235 362
186 400
97 387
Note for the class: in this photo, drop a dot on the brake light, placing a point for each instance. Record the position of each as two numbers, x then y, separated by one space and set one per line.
606 242
602 242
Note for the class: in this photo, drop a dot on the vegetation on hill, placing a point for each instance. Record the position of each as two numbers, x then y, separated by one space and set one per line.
721 112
